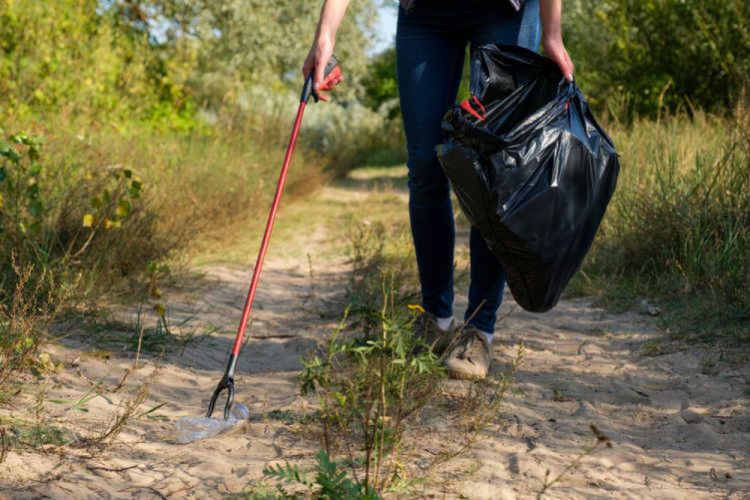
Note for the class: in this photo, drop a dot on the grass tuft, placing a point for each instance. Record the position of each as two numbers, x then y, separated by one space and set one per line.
678 227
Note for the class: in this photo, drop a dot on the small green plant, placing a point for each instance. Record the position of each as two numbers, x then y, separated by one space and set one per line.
373 386
23 434
329 482
369 387
29 435
80 404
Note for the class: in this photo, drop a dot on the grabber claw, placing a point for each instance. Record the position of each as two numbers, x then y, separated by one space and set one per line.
226 382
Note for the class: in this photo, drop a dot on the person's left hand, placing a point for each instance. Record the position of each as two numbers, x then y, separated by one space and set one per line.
555 50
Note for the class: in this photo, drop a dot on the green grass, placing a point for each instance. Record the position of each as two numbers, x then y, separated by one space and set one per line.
678 228
22 435
80 404
91 214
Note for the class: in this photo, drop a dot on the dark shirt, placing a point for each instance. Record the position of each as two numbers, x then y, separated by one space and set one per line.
409 4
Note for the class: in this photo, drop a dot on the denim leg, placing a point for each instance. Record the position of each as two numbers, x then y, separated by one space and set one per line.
430 46
429 60
522 28
530 31
487 275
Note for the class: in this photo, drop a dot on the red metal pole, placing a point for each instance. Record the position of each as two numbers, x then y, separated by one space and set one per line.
267 235
332 76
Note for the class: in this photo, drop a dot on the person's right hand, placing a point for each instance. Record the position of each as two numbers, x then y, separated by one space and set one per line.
555 50
319 55
550 12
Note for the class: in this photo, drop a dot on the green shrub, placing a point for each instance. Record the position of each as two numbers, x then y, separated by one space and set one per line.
50 228
73 57
681 54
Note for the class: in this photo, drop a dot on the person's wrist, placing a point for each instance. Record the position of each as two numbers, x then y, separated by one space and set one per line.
552 36
326 37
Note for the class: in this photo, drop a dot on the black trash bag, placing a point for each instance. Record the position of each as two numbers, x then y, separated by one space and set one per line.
531 167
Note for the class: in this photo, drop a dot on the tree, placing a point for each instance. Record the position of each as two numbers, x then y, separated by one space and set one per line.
252 42
660 53
381 83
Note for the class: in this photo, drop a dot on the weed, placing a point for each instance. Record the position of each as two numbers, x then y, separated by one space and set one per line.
329 481
369 387
27 435
80 404
129 410
23 324
36 434
378 254
601 440
137 337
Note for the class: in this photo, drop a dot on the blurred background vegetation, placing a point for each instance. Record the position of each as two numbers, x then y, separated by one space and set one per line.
131 129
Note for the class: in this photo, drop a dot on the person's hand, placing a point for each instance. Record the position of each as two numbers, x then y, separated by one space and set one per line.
555 50
319 55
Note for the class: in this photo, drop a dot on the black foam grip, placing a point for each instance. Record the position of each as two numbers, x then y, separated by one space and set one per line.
307 88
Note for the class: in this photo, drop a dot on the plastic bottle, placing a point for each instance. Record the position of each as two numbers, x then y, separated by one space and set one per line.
190 429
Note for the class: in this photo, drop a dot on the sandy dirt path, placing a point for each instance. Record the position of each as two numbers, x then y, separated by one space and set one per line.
679 421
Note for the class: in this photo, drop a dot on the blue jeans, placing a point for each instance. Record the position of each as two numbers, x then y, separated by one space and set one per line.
430 45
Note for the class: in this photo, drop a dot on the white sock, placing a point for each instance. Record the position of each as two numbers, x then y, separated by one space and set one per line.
444 323
488 336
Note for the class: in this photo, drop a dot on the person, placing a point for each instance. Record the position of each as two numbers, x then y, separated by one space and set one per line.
431 40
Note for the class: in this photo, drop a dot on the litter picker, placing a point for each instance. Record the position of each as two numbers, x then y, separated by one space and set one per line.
332 72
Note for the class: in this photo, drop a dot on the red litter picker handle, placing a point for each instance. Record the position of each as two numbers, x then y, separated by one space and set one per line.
332 72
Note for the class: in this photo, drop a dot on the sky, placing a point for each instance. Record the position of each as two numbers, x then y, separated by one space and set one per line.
385 28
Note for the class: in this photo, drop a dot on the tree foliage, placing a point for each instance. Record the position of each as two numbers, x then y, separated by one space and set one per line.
381 84
70 55
670 53
639 55
152 59
236 43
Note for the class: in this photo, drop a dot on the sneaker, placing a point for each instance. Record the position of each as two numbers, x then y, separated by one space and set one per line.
426 328
470 357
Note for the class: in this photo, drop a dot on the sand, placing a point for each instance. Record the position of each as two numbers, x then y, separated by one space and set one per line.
678 415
